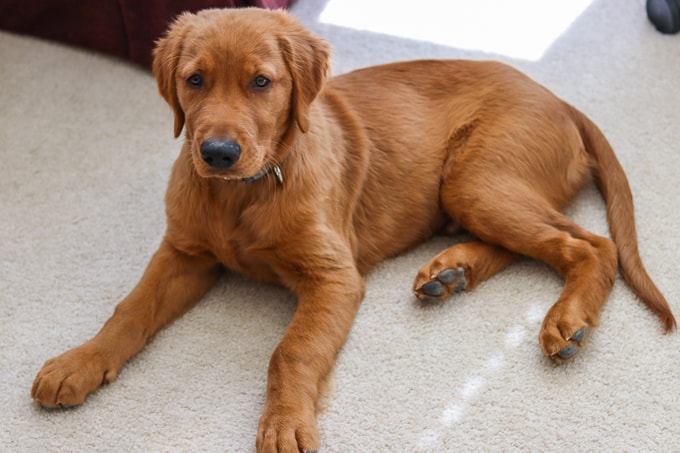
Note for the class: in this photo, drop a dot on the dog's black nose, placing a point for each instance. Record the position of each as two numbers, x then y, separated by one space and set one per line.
220 152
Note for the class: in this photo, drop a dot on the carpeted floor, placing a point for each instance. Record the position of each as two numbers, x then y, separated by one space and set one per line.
86 146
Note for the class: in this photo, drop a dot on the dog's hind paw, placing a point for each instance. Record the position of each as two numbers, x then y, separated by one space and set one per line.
442 285
562 349
459 268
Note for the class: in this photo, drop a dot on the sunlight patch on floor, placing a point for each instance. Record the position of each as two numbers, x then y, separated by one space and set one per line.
430 438
522 29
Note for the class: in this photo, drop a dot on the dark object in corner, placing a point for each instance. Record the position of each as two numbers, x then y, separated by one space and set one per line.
665 15
124 28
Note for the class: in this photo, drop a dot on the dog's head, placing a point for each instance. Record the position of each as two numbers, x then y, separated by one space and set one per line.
238 80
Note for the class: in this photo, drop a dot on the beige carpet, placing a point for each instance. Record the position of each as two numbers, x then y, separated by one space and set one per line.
86 146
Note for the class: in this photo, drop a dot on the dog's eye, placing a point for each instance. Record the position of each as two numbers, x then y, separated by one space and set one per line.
261 82
195 81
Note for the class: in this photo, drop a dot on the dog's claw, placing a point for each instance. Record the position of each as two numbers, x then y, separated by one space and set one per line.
433 289
66 406
59 406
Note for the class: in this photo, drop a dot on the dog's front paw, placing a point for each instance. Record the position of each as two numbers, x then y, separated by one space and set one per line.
66 380
287 430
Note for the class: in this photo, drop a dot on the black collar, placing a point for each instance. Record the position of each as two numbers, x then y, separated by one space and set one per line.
265 171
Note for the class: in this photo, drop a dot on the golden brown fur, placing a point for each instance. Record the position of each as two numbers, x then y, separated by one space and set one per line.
373 162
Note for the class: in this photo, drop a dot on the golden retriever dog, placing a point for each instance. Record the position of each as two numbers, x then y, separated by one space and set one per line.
292 177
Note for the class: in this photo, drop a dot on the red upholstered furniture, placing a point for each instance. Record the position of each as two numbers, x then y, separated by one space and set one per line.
126 28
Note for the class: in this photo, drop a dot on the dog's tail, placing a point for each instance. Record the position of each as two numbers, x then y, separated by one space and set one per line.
613 184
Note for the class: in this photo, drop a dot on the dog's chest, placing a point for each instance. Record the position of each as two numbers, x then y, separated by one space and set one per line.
237 258
240 248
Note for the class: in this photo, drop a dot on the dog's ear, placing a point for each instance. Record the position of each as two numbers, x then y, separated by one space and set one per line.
308 58
165 60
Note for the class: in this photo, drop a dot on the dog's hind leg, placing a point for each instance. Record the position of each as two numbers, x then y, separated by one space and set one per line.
460 267
513 215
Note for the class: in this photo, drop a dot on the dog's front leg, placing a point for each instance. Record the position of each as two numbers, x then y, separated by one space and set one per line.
327 305
172 283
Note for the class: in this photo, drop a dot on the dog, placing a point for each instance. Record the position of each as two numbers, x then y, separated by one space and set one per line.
290 176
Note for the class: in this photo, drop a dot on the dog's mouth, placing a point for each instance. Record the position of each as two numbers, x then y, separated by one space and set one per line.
274 170
237 175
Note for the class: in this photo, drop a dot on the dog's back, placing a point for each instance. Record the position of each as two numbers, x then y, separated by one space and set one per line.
420 118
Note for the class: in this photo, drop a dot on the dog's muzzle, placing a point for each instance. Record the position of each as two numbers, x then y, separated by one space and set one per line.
220 152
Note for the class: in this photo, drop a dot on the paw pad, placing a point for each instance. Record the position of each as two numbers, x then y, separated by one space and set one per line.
433 289
571 350
579 336
447 276
438 288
